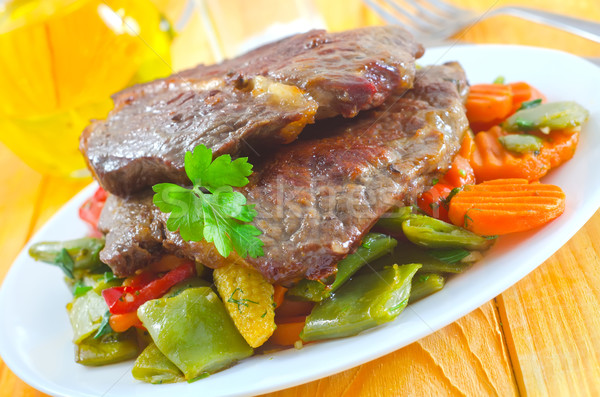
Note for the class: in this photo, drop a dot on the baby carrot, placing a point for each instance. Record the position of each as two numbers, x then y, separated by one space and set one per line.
506 206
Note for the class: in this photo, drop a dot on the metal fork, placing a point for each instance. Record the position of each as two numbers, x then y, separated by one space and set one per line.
433 21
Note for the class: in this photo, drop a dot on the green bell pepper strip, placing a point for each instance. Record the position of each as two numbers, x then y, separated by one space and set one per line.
424 285
194 331
406 252
108 349
154 367
553 115
362 303
374 246
84 252
433 233
392 221
85 314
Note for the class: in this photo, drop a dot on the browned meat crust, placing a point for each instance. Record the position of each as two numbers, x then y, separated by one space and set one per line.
264 97
316 198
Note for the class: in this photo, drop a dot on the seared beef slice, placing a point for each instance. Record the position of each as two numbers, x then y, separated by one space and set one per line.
317 197
265 96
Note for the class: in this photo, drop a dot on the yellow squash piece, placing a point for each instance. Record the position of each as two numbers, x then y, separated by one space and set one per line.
248 298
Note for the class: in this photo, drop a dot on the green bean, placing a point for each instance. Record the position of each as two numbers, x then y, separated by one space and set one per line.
553 116
154 367
108 349
84 252
433 233
362 303
374 245
424 285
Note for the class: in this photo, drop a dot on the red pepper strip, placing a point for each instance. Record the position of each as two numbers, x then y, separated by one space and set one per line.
140 280
91 209
112 295
131 300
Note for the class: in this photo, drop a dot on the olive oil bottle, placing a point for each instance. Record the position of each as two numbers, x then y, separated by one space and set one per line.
60 60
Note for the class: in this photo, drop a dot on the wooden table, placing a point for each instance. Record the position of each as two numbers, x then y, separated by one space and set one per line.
540 337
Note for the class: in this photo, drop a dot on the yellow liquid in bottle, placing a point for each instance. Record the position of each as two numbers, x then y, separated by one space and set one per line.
60 60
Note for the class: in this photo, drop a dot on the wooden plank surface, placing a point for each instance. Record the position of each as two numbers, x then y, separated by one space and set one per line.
541 337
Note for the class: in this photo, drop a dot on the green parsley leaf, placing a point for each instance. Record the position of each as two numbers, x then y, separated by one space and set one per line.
220 216
499 80
65 262
80 289
104 326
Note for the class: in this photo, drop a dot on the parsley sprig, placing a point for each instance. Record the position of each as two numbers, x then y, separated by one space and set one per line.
211 210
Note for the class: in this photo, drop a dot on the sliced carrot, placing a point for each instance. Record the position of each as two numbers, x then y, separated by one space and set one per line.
278 295
467 147
122 322
523 92
287 334
506 206
491 160
489 102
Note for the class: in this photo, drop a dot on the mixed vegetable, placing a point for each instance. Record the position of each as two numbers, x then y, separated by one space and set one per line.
184 321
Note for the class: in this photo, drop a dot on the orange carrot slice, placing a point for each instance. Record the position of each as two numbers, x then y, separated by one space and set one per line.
506 206
287 334
278 295
491 160
489 102
122 322
467 147
523 92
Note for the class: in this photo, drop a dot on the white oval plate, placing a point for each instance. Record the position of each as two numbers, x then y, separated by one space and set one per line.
36 342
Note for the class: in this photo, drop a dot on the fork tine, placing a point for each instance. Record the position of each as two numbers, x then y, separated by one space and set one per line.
425 12
391 18
413 18
441 7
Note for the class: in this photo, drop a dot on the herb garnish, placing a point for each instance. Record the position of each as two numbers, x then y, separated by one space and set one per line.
65 262
499 80
240 302
524 125
104 326
80 289
211 210
530 104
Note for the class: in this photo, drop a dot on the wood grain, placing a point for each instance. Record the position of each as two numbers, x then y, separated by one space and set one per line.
467 358
551 320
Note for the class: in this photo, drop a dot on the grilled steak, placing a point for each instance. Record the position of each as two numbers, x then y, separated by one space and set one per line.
317 197
144 139
345 72
265 96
